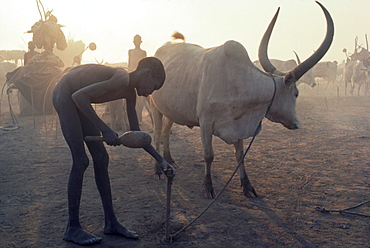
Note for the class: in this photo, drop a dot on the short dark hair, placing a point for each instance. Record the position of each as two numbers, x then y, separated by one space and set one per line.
155 65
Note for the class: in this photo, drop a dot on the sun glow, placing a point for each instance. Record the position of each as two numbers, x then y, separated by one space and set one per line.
112 25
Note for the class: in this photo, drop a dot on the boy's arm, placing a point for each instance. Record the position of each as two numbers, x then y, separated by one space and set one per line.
162 162
134 126
84 104
100 92
131 113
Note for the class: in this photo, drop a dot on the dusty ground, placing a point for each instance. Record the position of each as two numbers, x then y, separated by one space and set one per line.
325 163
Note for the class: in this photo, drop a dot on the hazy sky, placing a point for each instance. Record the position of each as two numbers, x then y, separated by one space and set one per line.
112 24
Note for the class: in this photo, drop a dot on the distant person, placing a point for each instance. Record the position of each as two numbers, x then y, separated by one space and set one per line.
134 56
72 98
31 52
25 107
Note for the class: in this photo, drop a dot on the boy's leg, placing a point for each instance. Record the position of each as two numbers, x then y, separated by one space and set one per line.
100 160
72 132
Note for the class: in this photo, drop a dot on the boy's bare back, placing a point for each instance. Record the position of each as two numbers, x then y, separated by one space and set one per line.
85 75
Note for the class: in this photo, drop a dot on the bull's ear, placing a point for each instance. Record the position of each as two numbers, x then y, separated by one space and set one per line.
289 79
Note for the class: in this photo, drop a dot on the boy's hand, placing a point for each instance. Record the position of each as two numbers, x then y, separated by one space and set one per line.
167 169
111 138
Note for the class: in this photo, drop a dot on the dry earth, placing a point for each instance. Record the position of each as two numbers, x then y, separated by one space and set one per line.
325 163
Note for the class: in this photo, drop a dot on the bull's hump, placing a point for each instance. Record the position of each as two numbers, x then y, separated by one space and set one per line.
234 49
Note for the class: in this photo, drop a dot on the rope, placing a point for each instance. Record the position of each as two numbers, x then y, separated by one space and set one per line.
344 211
171 237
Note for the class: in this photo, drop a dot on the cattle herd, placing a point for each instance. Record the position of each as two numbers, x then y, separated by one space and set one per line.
226 95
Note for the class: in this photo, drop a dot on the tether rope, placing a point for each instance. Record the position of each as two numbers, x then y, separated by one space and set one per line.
344 211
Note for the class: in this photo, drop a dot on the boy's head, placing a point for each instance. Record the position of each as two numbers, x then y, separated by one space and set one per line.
155 76
155 66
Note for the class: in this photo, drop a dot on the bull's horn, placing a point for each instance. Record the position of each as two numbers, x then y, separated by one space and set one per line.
262 51
308 63
320 52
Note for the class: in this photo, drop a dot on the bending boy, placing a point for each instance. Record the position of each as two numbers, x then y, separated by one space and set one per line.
72 98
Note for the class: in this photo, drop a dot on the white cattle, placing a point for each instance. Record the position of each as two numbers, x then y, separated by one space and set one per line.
326 70
357 75
355 72
354 69
220 90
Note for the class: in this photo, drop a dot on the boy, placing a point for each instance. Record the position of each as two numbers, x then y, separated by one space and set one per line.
72 98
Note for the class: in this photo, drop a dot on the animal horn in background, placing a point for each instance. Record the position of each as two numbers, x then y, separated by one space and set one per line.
297 57
302 68
367 43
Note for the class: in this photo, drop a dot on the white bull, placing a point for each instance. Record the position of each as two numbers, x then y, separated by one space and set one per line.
220 90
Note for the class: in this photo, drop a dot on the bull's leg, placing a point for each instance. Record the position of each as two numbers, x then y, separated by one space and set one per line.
166 140
139 108
366 87
157 117
112 114
352 87
147 107
358 89
247 187
206 135
327 85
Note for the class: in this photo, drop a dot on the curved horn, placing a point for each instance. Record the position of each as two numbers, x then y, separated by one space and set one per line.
262 51
320 52
367 43
297 57
308 63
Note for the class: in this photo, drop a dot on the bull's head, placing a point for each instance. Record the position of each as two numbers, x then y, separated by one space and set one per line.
283 106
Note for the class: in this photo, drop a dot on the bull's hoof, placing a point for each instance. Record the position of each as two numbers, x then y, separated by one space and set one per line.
209 194
248 189
250 193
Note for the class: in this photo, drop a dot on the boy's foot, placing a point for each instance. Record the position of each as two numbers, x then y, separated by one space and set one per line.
120 230
80 236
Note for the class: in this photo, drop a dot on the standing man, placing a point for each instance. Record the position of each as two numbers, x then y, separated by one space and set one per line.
72 98
134 56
